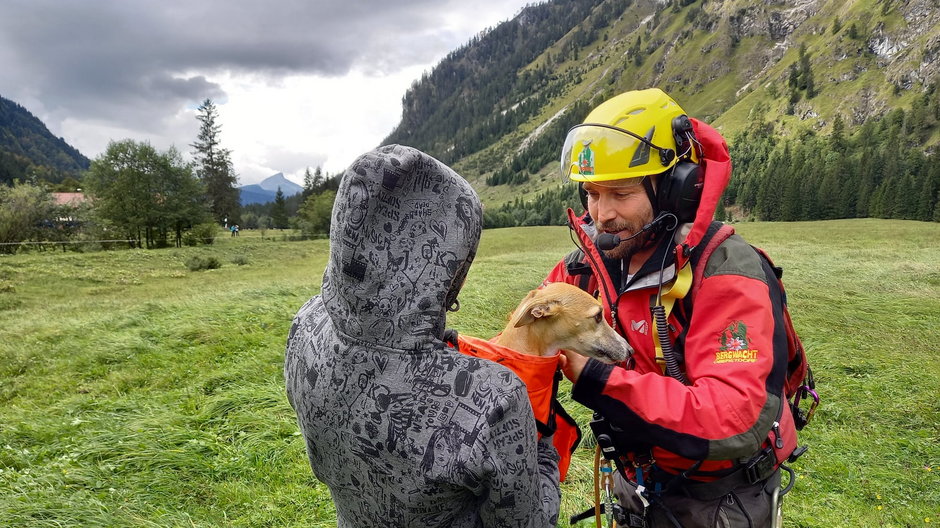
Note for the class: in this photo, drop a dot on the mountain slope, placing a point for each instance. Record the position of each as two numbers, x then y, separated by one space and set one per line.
278 181
795 63
26 143
265 192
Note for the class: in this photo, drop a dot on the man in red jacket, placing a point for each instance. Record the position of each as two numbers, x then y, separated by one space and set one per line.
699 417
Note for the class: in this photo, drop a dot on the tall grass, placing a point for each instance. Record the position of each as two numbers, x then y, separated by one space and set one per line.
134 392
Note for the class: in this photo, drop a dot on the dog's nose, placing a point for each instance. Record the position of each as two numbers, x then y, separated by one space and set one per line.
612 355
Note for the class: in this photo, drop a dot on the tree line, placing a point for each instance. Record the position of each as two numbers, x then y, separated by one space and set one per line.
486 88
144 197
136 194
28 149
880 171
307 212
542 151
155 199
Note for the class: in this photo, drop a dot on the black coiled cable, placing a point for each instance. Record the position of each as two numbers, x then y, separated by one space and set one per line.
662 326
665 342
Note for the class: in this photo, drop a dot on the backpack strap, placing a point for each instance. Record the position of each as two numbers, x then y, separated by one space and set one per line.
577 266
689 278
716 234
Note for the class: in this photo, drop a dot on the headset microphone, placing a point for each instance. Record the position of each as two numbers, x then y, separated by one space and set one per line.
608 241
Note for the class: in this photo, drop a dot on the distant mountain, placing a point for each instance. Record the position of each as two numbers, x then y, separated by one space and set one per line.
288 187
27 147
497 109
265 191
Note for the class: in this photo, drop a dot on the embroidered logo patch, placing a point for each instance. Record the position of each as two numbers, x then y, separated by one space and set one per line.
735 347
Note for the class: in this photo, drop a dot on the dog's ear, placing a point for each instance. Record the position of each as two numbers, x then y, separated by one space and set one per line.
538 310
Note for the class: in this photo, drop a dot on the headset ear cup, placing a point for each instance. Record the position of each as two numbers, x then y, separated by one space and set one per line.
680 191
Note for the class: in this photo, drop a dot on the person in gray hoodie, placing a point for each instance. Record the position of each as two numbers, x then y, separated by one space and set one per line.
404 430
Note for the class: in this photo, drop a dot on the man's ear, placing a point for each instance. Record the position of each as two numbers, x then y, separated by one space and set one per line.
537 310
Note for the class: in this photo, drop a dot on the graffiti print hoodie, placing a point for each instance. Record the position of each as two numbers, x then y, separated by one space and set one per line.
404 430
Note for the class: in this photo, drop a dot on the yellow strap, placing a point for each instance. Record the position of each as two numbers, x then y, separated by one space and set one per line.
679 289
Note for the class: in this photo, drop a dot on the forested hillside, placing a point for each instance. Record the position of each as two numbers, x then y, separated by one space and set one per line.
831 108
27 148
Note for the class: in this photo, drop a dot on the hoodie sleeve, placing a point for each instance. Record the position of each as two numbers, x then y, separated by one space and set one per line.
523 472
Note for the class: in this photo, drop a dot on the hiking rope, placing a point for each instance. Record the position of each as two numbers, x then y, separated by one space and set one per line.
597 486
603 476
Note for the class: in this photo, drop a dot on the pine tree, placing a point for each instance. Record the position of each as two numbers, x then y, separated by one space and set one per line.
853 31
806 74
214 166
927 197
308 183
279 210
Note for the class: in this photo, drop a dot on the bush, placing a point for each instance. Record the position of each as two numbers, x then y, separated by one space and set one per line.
240 260
198 263
200 234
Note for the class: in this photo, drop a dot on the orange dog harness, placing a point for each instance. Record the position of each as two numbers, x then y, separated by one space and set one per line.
541 375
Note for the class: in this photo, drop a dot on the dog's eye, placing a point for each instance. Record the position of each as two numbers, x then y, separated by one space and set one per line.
598 317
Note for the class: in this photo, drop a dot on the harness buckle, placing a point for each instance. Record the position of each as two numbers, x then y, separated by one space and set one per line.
760 467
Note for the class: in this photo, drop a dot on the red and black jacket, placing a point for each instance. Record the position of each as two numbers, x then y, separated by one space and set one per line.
733 343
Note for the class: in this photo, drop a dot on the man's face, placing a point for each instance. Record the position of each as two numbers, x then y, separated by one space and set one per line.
620 207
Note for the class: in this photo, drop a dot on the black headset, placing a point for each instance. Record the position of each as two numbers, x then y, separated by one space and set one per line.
680 188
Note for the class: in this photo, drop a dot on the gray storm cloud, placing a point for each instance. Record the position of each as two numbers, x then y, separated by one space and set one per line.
132 67
97 58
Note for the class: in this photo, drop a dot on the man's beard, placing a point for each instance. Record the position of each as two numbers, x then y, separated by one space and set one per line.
627 248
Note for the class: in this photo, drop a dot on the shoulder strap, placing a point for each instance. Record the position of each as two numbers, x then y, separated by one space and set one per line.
716 234
577 266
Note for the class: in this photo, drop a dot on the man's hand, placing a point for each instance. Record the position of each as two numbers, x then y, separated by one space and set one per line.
572 364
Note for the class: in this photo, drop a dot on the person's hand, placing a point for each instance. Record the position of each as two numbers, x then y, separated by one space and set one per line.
572 364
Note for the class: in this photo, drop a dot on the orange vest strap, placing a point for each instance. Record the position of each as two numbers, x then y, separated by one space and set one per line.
538 373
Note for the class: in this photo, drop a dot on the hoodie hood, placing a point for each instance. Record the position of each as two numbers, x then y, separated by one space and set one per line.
404 231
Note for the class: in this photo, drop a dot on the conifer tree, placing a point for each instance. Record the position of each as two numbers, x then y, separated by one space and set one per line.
313 182
214 166
927 195
279 210
806 74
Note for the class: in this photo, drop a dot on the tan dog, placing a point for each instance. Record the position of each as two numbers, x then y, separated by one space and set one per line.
561 316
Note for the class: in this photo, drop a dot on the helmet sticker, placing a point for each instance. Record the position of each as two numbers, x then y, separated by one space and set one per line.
586 159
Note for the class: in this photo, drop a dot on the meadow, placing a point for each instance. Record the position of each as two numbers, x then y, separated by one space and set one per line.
135 392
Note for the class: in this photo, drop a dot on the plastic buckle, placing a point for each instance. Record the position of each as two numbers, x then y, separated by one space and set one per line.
797 453
628 519
760 467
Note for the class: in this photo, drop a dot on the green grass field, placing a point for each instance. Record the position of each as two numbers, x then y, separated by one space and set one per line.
134 392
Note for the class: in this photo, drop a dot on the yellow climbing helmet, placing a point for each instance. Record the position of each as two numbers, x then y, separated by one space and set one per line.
632 135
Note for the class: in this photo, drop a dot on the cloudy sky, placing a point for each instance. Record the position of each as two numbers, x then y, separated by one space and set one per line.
297 83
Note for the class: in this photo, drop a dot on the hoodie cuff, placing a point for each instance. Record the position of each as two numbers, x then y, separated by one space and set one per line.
591 382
